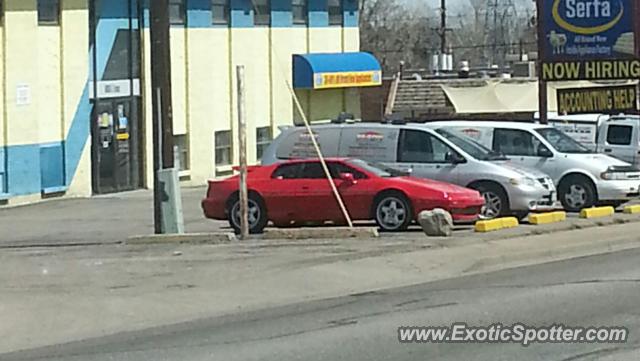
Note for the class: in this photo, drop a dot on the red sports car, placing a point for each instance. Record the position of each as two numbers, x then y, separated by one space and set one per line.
298 192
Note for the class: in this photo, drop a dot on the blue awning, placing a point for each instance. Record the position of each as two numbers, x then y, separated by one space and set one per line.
335 70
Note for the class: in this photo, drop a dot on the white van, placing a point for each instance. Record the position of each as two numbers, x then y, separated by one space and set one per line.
617 136
423 152
583 178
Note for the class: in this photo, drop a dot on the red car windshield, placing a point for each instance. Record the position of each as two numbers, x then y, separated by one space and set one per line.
377 169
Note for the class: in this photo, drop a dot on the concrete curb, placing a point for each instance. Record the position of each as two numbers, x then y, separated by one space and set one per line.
191 238
320 233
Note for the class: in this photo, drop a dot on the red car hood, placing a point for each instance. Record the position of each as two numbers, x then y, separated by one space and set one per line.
438 186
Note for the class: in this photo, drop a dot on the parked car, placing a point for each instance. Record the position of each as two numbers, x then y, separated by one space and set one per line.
298 192
617 136
583 178
420 150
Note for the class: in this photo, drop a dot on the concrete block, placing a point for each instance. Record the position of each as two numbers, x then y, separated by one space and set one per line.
596 212
436 223
547 218
320 233
191 238
509 222
634 209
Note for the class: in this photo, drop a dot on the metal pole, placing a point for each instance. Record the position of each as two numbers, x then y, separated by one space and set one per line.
162 114
242 145
157 162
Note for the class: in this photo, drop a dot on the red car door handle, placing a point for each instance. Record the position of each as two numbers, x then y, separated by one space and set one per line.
306 188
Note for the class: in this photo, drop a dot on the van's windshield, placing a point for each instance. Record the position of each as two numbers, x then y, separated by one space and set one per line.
471 147
562 142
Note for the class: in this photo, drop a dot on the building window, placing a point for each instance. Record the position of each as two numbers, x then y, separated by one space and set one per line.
220 11
263 139
300 12
177 12
262 12
336 16
223 147
181 151
49 12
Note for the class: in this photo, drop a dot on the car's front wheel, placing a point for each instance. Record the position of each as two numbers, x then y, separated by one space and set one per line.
496 202
576 193
392 212
257 214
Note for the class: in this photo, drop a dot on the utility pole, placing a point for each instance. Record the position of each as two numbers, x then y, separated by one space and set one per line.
242 144
161 94
443 26
542 85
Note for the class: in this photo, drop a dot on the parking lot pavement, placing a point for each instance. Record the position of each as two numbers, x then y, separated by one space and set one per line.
69 293
114 218
100 219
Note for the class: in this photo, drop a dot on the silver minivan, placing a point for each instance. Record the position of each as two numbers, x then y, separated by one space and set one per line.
583 178
426 153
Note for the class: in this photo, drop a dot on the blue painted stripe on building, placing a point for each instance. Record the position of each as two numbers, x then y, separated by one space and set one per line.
318 15
281 14
351 18
241 14
3 170
51 165
23 169
199 14
79 132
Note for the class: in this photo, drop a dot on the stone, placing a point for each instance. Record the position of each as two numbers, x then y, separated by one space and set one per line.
436 223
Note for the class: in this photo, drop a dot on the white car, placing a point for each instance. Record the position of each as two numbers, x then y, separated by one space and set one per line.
583 178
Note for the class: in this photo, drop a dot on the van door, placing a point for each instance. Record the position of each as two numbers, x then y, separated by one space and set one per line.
425 156
619 139
521 147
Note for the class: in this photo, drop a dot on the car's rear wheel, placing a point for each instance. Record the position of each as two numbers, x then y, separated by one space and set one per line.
496 202
392 212
576 193
257 213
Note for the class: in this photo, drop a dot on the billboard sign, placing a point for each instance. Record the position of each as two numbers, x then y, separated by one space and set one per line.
587 29
607 100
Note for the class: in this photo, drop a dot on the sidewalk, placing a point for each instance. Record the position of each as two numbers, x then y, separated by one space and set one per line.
100 219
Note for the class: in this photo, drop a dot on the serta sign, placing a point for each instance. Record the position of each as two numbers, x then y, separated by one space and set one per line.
587 29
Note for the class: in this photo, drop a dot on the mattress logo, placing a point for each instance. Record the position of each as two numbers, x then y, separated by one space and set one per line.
587 17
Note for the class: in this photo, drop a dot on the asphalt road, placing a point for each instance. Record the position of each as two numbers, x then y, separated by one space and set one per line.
601 290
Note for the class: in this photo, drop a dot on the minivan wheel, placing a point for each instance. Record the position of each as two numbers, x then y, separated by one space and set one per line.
392 212
576 193
496 203
257 214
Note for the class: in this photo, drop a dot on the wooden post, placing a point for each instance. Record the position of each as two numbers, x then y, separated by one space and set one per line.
542 85
242 145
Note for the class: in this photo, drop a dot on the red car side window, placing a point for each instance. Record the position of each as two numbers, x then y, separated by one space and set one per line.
287 171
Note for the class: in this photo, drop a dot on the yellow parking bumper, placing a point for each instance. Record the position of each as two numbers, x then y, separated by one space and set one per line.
634 209
546 218
496 224
596 212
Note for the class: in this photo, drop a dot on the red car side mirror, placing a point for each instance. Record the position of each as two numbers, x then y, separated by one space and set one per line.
348 178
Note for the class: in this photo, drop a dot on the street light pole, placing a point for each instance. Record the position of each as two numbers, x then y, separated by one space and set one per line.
161 94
